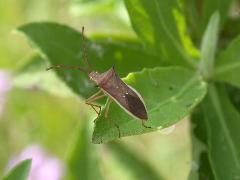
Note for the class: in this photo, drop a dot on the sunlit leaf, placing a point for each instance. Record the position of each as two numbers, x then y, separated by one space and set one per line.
155 23
63 45
169 93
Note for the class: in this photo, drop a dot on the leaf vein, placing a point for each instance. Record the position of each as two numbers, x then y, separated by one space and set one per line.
229 67
222 120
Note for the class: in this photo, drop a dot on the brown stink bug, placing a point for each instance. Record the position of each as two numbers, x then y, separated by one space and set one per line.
111 85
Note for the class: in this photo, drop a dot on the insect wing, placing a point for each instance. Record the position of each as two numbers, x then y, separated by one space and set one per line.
124 95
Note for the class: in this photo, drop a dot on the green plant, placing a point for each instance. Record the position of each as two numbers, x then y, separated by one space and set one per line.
175 78
20 171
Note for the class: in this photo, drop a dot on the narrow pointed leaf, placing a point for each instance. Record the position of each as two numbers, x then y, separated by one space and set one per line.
222 124
228 64
169 93
82 158
20 171
208 46
200 164
137 165
61 44
155 23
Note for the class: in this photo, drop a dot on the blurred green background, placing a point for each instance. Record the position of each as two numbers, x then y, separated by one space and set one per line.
40 116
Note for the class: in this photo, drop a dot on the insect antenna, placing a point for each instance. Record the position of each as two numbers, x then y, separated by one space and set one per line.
85 51
67 67
88 70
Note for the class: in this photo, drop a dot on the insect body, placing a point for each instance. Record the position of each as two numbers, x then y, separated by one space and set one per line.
111 85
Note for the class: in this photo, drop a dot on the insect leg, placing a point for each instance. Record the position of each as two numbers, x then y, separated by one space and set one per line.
94 108
145 125
93 98
118 128
109 101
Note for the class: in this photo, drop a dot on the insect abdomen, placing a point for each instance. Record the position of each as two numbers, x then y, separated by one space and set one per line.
122 94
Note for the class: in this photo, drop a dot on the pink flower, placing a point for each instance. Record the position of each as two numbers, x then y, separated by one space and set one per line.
44 167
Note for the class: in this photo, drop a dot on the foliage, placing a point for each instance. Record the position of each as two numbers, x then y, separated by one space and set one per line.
20 171
165 64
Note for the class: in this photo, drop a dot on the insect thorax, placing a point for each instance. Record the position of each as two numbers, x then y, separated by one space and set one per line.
100 78
94 76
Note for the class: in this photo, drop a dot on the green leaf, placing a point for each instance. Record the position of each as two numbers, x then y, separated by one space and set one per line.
222 124
82 160
205 169
32 63
184 35
209 7
155 23
192 10
234 95
62 45
32 76
229 32
198 14
169 94
208 46
93 7
20 171
228 64
137 165
200 165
